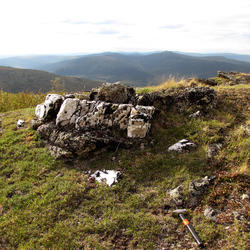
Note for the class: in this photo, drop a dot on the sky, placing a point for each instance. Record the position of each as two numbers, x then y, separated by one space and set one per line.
91 26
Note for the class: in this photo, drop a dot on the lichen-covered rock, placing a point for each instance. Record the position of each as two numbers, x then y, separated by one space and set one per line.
114 93
79 127
233 78
182 146
67 111
58 152
35 123
138 128
139 124
197 188
213 150
176 196
45 130
202 98
211 213
50 107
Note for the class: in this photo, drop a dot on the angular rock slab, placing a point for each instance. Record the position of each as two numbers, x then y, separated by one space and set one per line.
182 146
110 177
88 115
66 112
50 107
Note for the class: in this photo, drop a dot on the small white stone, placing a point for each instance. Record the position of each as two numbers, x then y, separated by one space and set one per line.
20 123
108 176
182 146
245 196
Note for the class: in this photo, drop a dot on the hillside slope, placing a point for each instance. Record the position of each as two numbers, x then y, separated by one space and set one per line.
140 69
23 80
48 203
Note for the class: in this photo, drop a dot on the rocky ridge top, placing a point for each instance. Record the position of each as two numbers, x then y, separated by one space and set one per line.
112 115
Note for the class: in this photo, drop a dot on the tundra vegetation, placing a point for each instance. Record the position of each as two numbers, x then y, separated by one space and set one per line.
49 203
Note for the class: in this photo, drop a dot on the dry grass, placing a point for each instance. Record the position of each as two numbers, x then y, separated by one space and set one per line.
10 101
169 84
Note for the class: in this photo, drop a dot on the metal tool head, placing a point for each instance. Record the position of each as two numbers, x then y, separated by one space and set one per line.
179 211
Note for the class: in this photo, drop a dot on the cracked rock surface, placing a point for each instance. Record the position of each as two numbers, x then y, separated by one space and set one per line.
74 127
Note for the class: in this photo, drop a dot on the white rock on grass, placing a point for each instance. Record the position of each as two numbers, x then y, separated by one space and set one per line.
176 195
196 114
20 123
182 146
110 177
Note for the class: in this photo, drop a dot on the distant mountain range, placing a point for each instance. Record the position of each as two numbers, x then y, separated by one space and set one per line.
25 80
32 62
244 58
136 69
140 69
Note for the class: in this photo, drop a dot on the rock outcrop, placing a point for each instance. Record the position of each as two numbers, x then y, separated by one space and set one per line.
234 78
111 115
225 78
74 127
114 93
202 98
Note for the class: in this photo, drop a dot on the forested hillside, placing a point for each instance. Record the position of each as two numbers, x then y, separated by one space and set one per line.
24 80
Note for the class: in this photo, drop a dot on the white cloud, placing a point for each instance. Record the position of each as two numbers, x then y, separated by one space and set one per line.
62 26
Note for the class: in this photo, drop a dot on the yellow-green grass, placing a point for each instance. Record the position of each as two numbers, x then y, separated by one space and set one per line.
11 101
171 83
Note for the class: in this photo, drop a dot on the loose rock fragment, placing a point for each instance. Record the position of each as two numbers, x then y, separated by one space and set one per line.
238 216
182 146
196 115
197 188
20 123
245 197
213 150
211 213
176 195
110 177
58 152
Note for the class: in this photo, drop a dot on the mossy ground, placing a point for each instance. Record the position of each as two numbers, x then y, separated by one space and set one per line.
47 203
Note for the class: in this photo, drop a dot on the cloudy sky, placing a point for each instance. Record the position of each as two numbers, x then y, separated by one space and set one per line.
88 26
